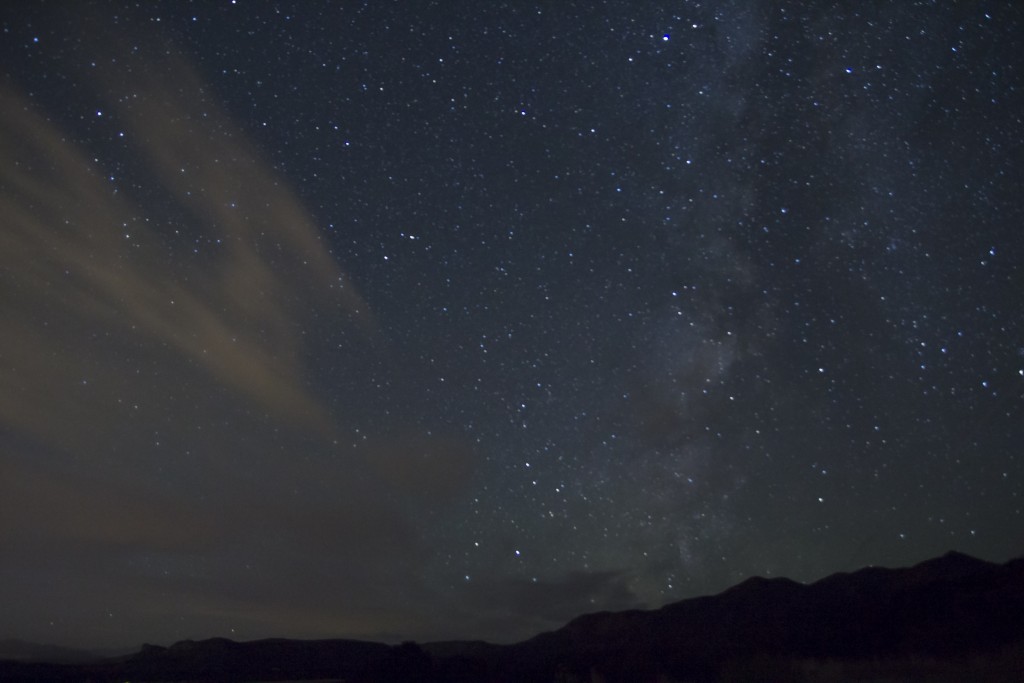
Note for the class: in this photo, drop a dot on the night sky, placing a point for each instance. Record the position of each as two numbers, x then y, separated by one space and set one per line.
428 320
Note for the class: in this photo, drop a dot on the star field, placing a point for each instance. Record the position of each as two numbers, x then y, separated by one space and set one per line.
458 320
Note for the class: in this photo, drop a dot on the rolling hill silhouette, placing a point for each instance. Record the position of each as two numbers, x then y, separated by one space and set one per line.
954 617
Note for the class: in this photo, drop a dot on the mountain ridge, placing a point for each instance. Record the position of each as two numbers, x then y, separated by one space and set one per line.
953 608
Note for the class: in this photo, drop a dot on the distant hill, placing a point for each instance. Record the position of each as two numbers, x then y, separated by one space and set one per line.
953 607
950 618
22 651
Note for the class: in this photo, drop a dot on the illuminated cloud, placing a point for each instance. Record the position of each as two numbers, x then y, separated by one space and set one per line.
83 263
131 322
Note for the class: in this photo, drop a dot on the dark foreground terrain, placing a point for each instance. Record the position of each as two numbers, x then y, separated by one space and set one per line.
954 618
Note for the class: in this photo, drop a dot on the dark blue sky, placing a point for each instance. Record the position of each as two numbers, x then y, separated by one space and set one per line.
435 320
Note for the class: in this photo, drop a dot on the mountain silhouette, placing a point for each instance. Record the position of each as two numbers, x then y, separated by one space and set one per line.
951 618
22 651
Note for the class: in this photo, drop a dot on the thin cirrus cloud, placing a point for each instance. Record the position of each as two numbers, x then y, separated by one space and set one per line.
116 338
81 262
112 335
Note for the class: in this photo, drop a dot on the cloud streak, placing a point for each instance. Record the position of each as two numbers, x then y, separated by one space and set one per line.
79 258
160 419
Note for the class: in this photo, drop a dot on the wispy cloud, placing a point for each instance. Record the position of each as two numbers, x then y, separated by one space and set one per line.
77 259
119 334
